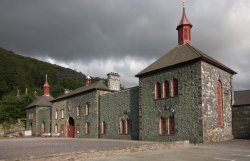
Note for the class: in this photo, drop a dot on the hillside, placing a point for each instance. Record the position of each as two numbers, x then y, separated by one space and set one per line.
18 73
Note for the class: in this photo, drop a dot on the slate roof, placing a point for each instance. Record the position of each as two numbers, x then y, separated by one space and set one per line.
42 101
100 85
242 98
179 55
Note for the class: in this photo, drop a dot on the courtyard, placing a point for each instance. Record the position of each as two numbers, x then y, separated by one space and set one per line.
39 149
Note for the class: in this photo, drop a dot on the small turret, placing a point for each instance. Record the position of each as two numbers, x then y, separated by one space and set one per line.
46 87
88 80
184 28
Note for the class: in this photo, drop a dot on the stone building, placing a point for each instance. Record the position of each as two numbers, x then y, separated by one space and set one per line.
39 113
241 114
184 95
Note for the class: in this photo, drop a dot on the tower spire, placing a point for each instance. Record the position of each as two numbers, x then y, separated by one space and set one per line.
46 86
184 27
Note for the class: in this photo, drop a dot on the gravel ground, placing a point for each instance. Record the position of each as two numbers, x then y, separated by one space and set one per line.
28 147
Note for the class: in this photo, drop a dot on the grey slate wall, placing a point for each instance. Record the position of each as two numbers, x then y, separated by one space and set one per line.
33 121
186 106
210 77
122 104
69 105
43 115
241 122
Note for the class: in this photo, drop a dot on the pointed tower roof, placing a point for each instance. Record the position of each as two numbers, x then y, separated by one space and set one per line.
46 87
184 19
46 84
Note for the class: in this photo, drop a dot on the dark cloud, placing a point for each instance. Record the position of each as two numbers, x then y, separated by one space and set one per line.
99 30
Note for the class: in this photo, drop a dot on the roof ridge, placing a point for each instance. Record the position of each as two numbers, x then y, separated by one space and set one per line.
195 50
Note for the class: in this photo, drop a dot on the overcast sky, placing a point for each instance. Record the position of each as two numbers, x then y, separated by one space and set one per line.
124 36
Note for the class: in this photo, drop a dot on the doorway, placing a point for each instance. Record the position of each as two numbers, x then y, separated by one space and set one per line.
71 128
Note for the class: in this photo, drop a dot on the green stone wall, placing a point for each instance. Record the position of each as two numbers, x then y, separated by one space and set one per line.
186 107
33 121
122 104
40 114
69 105
43 115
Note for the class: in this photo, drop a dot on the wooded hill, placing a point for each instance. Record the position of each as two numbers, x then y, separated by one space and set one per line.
18 73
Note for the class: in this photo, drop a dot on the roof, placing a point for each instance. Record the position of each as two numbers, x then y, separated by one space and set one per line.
242 98
179 55
100 85
42 101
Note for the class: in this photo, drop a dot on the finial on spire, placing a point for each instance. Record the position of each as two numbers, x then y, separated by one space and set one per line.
46 78
184 3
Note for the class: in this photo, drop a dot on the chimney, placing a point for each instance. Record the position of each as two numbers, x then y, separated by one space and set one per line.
114 83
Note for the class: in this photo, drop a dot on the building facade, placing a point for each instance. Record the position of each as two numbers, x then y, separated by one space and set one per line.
241 115
184 95
39 113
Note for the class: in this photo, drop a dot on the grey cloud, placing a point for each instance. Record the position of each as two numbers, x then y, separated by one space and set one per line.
87 30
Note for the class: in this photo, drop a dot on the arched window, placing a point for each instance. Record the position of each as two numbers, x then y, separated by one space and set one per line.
127 126
220 104
62 113
56 114
87 128
87 109
77 111
78 128
157 90
161 126
122 126
171 125
174 87
62 128
166 89
103 128
56 128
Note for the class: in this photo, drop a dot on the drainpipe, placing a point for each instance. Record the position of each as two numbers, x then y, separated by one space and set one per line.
98 114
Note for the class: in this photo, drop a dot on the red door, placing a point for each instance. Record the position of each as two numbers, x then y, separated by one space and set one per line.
71 128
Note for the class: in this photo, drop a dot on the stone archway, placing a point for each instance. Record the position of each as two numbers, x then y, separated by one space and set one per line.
71 128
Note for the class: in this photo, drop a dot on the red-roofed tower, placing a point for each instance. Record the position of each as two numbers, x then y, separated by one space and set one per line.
46 87
184 28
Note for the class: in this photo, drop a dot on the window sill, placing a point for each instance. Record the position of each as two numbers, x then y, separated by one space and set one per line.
165 98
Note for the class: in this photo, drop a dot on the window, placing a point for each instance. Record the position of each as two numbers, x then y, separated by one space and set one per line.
166 126
62 113
127 126
87 109
56 114
62 128
30 116
87 128
77 111
165 89
56 128
174 87
157 90
122 126
103 128
78 128
220 104
170 125
161 126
